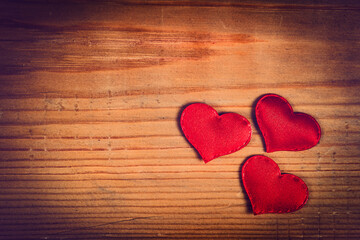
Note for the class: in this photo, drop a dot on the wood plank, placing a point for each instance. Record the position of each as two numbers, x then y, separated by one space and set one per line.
90 98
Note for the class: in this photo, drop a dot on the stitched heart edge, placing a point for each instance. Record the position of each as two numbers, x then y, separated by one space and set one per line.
264 132
216 114
279 175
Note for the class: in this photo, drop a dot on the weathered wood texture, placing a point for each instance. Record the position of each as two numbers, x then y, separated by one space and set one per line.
90 95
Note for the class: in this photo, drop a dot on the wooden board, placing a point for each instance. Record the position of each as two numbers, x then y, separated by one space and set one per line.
90 96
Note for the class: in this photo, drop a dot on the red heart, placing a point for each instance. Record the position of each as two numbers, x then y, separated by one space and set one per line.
270 191
213 135
284 130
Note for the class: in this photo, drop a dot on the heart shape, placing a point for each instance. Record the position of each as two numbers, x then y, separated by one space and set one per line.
213 135
270 191
282 129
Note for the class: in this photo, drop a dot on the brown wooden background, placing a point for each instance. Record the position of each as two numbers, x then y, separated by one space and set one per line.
90 95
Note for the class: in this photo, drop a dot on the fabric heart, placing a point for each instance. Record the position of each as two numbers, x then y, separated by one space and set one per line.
213 135
282 129
270 191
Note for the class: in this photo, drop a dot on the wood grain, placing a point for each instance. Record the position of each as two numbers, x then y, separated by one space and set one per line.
90 97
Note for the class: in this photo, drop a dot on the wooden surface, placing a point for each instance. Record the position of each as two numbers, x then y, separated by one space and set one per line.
90 96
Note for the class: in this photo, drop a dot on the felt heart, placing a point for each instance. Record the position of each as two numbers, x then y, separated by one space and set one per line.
282 129
270 191
213 135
